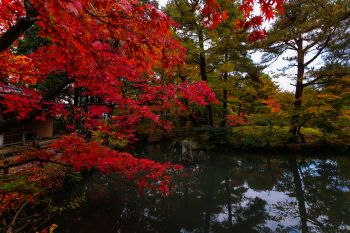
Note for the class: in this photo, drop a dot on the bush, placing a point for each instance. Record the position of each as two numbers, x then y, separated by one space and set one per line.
259 135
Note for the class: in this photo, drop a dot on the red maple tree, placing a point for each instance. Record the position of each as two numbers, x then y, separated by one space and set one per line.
107 66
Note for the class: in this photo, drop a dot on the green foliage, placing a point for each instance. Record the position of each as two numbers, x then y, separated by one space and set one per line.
13 183
31 41
74 203
73 177
268 135
212 137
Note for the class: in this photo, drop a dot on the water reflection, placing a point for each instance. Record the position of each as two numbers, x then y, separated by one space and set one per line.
231 194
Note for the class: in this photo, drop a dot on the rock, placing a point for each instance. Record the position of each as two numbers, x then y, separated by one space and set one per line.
190 154
187 147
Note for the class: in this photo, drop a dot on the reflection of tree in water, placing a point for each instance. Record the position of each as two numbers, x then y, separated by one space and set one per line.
321 192
210 199
260 173
236 213
214 199
250 218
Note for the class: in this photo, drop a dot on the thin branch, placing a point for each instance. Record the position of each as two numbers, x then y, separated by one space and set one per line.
291 45
320 50
13 222
310 46
314 81
32 222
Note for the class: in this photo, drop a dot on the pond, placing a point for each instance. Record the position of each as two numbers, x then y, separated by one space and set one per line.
235 193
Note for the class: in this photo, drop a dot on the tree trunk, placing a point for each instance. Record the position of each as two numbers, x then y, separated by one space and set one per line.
203 69
224 101
239 109
299 88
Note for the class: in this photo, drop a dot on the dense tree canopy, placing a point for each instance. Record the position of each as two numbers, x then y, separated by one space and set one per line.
110 72
102 67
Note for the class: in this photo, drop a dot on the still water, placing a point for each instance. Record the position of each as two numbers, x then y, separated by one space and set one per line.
244 193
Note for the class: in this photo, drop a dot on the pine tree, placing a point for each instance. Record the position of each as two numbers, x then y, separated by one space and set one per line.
308 29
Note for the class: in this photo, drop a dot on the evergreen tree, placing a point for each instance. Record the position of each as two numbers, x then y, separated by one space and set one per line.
309 29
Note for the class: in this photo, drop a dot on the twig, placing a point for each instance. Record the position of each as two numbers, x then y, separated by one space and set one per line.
13 222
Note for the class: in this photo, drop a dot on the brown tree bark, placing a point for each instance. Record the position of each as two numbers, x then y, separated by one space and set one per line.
23 24
204 76
224 101
299 88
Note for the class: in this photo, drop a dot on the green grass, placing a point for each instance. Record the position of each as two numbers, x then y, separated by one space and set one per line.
262 135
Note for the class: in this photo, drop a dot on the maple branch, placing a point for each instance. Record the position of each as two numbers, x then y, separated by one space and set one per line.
13 222
112 24
23 24
52 92
35 218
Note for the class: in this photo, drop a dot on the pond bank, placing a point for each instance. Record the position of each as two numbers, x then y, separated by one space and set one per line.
290 149
252 139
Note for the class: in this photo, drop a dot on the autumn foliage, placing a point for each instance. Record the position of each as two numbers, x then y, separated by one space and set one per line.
106 66
268 10
272 104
